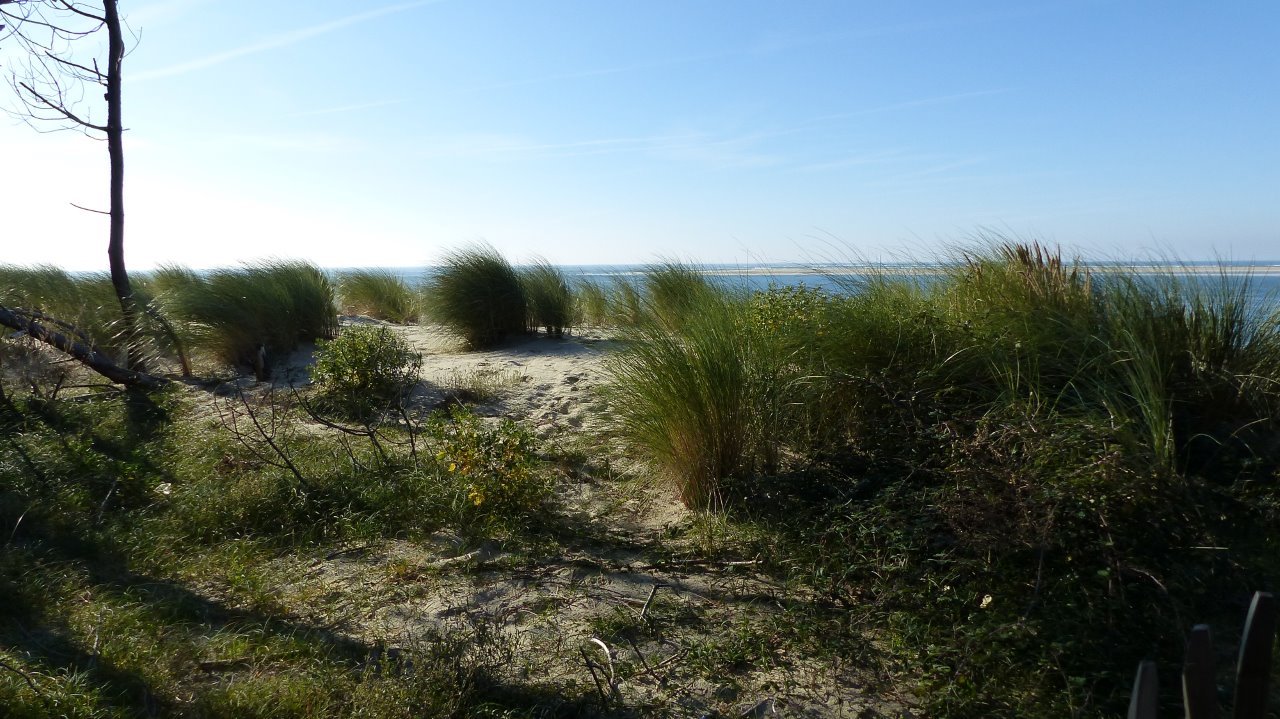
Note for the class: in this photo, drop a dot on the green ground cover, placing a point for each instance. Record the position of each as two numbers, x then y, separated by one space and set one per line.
995 492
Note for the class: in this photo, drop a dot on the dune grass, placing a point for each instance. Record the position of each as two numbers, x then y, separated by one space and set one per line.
1030 446
674 291
86 305
87 301
550 299
245 315
477 294
691 399
591 304
381 294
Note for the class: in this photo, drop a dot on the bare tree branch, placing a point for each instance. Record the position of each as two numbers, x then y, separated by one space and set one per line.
92 74
86 354
88 209
60 109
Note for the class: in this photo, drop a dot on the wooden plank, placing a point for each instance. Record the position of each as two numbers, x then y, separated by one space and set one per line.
1144 700
1254 666
1199 690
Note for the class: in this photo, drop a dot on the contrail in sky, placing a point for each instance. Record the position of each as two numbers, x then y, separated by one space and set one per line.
283 39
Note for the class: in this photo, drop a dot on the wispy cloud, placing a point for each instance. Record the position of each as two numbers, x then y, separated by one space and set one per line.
347 108
159 13
858 160
701 148
293 142
605 71
502 146
279 40
934 171
912 104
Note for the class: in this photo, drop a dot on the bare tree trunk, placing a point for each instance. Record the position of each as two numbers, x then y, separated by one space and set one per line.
91 357
115 147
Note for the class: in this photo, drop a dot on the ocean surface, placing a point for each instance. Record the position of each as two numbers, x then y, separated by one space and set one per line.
1261 280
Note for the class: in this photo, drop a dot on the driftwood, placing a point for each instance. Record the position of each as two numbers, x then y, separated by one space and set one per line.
80 350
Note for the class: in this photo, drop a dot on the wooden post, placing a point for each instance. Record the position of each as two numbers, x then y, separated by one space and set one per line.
1146 693
1254 666
1199 689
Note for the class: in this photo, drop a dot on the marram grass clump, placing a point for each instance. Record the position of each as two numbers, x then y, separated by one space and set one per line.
702 403
1021 465
248 314
591 304
381 294
477 294
551 301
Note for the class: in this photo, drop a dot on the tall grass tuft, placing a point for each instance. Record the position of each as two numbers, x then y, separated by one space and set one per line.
701 403
591 305
243 315
477 294
626 303
381 294
551 301
674 291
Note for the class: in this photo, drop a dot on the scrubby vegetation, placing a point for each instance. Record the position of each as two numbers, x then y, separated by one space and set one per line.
996 489
1032 476
136 568
365 370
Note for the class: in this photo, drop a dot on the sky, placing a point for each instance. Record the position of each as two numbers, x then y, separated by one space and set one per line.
720 131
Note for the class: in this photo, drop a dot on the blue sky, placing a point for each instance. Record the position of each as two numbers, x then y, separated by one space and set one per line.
715 130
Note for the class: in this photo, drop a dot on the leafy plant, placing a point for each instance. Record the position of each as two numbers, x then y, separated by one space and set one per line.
492 467
366 369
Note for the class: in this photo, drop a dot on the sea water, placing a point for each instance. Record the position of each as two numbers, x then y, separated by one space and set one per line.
1261 280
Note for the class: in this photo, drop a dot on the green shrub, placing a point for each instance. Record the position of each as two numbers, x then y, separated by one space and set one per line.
550 299
381 294
492 468
477 294
365 369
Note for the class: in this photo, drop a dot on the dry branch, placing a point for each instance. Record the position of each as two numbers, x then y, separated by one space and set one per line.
81 351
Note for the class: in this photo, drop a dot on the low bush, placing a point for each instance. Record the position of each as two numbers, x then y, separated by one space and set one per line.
491 469
477 294
365 369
